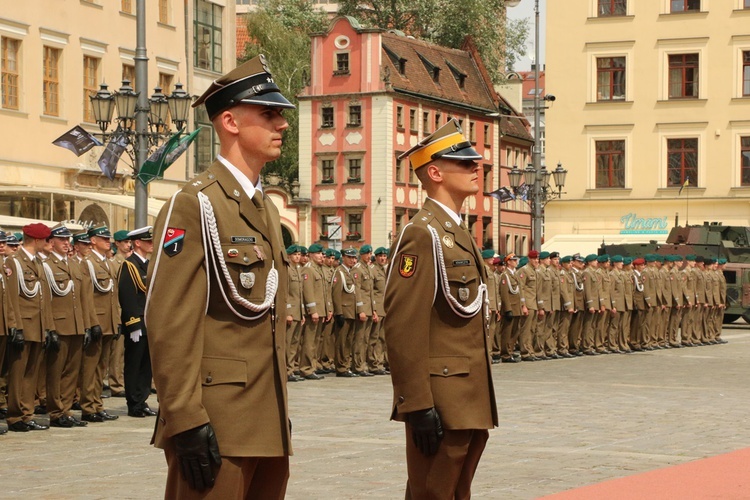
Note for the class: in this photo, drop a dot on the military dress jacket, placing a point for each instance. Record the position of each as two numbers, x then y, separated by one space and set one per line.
700 285
555 278
617 290
378 289
527 279
294 306
344 293
70 311
132 293
313 289
627 277
363 282
8 302
104 283
665 279
437 357
214 359
34 310
641 299
328 282
567 290
492 290
688 287
510 292
604 287
676 279
579 300
591 289
543 288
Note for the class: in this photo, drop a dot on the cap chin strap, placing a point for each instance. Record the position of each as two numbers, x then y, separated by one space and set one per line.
212 247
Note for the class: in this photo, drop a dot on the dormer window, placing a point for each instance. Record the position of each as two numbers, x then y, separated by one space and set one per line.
458 75
432 69
398 62
436 75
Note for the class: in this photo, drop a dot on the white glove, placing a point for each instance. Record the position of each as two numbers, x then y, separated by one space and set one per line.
135 336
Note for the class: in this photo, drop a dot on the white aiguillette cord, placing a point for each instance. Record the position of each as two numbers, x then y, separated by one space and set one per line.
28 293
95 281
212 246
60 292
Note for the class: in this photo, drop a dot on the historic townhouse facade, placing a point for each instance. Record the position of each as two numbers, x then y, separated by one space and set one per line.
372 95
650 95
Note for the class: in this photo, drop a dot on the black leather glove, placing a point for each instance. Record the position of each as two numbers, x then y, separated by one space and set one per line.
508 315
51 341
86 337
118 333
339 320
197 449
96 333
426 430
16 338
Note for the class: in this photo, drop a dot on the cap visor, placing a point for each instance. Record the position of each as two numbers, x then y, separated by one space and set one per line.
463 154
272 99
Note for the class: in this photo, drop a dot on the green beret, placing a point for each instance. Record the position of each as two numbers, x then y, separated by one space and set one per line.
523 261
292 249
603 258
488 254
120 235
650 257
365 249
627 260
591 257
722 261
315 248
330 252
690 257
303 249
617 258
543 255
19 236
381 250
566 259
336 254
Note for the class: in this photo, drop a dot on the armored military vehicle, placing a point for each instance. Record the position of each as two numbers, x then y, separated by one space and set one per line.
711 240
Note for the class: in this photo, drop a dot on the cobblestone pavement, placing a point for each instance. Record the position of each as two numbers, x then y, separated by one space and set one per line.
563 424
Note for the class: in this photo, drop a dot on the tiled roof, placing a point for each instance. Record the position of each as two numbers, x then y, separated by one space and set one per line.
242 36
528 84
452 65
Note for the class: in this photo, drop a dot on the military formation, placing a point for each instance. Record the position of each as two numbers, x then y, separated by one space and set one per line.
63 307
335 312
547 307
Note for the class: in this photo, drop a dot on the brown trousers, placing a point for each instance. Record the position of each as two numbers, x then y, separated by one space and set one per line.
509 336
564 319
63 368
448 473
293 336
22 375
359 344
116 366
92 379
327 347
376 346
308 353
258 478
527 329
344 337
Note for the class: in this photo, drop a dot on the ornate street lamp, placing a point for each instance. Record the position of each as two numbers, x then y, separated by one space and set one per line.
159 110
103 107
514 177
559 175
126 99
179 106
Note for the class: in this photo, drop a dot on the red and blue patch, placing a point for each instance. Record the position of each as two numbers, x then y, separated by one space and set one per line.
173 241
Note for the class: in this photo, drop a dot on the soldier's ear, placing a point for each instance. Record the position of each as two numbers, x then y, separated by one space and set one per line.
434 174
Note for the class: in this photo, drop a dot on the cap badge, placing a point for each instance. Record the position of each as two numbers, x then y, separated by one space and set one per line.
448 241
247 280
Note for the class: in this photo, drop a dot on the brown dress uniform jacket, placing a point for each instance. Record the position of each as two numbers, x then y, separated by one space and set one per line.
591 289
567 290
641 300
106 303
294 293
676 279
313 289
617 290
378 289
527 279
71 312
510 292
34 314
209 364
438 358
363 282
345 293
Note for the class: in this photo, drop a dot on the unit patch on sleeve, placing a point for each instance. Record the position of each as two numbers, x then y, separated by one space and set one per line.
408 265
173 241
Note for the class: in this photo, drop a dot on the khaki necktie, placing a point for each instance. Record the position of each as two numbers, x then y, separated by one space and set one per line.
260 204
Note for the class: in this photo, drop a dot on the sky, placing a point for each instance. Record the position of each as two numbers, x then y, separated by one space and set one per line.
526 10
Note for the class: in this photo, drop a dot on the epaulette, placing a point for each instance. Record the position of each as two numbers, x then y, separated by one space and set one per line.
135 276
199 182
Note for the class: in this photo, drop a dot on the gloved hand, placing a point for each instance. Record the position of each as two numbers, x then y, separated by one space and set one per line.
96 333
508 315
426 430
16 338
339 320
86 337
136 335
197 449
118 333
51 341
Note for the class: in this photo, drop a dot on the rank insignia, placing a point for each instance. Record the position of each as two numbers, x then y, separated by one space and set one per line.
448 224
173 241
233 252
408 265
448 241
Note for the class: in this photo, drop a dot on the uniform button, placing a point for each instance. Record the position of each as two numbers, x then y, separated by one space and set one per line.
400 399
209 379
445 371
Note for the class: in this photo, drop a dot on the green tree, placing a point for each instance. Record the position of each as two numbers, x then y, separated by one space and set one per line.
280 29
500 42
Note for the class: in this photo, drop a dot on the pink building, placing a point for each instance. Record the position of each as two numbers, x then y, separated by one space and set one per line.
372 95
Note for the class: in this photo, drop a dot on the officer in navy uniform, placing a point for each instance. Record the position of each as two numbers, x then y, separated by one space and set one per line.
132 294
437 328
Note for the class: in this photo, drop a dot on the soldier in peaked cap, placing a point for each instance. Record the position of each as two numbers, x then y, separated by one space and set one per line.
34 328
221 356
8 324
131 292
439 350
105 329
72 311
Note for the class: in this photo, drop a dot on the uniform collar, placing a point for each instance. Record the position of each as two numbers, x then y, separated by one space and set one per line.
453 215
242 179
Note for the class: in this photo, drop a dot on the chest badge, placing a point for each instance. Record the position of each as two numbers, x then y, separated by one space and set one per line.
448 241
247 280
463 294
233 252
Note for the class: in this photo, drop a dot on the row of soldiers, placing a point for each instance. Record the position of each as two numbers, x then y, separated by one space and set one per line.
548 307
335 312
62 323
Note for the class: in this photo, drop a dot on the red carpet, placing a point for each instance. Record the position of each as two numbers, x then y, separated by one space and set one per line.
723 476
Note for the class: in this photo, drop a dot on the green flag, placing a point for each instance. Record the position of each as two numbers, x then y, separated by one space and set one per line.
156 164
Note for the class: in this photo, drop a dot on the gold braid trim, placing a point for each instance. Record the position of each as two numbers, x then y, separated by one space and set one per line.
135 276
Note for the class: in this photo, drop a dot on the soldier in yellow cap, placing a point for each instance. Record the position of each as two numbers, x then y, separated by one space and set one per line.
437 328
216 306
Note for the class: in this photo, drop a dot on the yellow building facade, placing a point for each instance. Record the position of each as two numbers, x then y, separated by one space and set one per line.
652 117
54 55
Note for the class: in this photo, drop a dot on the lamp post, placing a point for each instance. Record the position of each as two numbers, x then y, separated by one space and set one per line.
138 116
536 175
